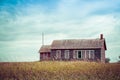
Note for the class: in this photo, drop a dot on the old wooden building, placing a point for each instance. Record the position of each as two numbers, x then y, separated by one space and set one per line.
45 52
75 49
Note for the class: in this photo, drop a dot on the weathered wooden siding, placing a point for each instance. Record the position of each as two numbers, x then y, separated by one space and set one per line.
97 55
45 56
102 53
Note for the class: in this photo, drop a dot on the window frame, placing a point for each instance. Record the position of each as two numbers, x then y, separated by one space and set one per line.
67 54
88 54
75 54
58 54
91 52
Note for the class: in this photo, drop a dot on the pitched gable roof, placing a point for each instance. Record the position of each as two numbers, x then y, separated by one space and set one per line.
78 44
45 48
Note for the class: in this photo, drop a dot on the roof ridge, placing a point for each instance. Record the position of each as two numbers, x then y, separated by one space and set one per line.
76 39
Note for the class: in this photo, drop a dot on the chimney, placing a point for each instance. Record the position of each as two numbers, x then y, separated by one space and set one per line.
101 36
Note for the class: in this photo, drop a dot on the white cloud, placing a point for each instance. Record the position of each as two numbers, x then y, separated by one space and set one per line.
73 19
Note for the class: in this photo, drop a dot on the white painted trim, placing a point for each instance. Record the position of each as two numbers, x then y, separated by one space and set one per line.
91 54
74 54
67 54
85 54
58 54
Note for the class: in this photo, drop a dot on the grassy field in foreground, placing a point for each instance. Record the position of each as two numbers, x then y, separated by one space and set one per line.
59 71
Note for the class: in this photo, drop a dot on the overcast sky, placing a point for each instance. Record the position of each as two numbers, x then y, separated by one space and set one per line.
23 21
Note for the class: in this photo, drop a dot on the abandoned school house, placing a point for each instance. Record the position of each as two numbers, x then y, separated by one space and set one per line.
75 49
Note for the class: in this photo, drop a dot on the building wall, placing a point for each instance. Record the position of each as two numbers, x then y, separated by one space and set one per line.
103 54
45 56
97 55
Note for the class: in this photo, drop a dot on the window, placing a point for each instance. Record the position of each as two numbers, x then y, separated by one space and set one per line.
91 54
58 54
87 54
74 54
66 54
79 54
83 53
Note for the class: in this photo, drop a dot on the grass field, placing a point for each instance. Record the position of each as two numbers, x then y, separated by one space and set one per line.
59 71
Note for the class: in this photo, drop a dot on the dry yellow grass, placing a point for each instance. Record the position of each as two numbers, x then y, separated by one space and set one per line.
53 70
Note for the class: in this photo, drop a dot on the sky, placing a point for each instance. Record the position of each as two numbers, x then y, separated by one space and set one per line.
23 21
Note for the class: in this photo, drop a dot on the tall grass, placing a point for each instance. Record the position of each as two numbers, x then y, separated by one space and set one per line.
53 70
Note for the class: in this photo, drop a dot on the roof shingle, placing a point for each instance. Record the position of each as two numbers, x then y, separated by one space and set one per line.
77 44
45 48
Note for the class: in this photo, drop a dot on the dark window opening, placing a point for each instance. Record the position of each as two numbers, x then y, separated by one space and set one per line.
79 54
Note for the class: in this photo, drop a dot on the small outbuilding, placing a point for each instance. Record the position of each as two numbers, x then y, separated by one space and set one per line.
45 52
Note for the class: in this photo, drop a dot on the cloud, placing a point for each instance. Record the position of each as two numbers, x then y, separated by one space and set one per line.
21 25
